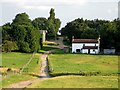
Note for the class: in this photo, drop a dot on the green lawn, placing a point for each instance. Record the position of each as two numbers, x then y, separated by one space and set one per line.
82 64
77 82
18 60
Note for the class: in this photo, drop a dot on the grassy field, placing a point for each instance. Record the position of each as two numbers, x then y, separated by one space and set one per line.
18 60
77 82
15 59
82 64
80 71
67 70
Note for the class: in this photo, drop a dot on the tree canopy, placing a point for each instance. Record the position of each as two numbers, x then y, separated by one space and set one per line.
109 31
23 33
53 24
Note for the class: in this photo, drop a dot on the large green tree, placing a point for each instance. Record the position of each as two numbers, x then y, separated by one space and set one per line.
25 34
53 24
79 29
40 23
22 32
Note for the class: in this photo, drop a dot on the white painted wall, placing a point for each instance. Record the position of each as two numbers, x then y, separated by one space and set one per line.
80 46
76 46
85 51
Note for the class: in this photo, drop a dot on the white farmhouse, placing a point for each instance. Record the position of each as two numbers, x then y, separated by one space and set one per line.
89 46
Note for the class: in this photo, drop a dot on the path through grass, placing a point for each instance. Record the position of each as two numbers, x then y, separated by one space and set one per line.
18 60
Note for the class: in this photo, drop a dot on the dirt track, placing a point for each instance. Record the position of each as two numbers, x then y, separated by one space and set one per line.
43 69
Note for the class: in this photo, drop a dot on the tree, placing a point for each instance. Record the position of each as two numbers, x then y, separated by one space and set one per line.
53 24
25 34
6 32
117 34
9 46
74 28
40 23
22 19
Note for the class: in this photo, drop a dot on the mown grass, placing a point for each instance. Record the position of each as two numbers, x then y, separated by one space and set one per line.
18 60
77 82
82 64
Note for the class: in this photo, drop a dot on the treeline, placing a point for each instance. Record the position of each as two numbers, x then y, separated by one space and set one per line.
23 34
109 31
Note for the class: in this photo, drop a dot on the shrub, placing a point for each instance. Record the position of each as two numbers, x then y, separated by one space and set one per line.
9 46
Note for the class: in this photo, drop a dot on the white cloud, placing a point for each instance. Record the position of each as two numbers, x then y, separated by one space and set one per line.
43 4
53 2
109 11
38 7
9 1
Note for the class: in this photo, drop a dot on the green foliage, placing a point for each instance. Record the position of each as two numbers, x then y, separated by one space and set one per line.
23 33
23 46
6 34
89 33
40 23
53 24
117 34
109 31
22 19
19 32
9 46
74 28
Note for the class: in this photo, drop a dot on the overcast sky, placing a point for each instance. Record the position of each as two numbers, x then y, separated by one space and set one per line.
65 10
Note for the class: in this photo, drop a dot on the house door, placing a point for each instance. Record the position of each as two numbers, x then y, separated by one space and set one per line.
88 51
78 50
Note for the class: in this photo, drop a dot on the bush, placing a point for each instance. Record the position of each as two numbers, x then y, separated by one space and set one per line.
9 46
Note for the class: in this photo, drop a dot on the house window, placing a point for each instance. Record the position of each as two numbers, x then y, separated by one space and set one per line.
78 50
83 45
93 50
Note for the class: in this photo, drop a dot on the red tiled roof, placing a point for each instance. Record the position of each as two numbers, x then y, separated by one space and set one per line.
84 41
90 47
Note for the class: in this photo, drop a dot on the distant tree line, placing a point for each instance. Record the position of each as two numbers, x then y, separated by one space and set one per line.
109 31
24 35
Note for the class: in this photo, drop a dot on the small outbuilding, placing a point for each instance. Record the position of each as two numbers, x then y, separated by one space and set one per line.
109 51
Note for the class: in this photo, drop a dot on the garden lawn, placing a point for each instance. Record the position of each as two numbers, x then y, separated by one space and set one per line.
82 64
